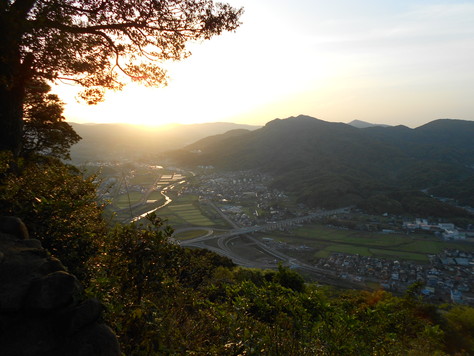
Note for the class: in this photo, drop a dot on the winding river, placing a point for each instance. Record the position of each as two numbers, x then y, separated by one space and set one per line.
167 201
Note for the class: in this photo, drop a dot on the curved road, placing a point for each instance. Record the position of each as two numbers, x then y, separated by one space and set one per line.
223 241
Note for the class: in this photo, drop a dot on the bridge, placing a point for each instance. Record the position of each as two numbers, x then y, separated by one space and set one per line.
226 240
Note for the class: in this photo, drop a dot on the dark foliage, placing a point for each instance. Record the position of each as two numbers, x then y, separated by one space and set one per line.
97 44
162 299
58 206
45 132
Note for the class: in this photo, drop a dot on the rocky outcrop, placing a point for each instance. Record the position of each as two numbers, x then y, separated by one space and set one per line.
42 307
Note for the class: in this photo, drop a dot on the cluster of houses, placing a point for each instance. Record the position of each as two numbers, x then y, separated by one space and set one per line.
244 196
447 231
116 180
449 277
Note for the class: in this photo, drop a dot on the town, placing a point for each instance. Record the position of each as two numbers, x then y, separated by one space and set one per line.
247 199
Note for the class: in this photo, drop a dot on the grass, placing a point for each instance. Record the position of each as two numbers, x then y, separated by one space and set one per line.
434 245
349 249
145 179
122 202
326 240
430 247
350 236
188 235
371 252
190 214
184 211
156 195
210 213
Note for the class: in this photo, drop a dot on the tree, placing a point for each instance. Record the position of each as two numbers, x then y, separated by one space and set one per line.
289 279
97 44
58 206
45 131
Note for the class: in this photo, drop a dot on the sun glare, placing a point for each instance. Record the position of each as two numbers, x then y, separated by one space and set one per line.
336 67
205 89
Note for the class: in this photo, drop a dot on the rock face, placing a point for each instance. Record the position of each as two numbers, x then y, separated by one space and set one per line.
42 308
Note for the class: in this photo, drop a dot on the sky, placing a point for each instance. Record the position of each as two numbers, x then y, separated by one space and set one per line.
380 61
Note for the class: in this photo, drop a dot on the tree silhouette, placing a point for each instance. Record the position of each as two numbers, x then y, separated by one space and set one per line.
45 131
97 44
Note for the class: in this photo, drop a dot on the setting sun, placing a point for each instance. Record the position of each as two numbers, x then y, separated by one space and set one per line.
396 64
274 177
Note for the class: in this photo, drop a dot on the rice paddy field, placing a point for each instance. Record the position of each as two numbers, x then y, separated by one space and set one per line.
326 240
123 201
185 210
156 195
143 179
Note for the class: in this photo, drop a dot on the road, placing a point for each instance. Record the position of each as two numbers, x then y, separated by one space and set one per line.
221 214
267 227
224 247
225 240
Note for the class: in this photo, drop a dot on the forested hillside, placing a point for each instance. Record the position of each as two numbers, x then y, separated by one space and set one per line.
159 297
163 299
333 164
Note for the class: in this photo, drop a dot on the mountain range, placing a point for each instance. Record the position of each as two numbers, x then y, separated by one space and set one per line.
123 141
364 124
326 164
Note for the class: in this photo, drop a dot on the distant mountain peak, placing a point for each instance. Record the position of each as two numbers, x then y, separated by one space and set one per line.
299 121
363 124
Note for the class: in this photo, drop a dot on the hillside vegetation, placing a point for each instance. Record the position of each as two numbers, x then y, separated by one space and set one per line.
162 299
382 169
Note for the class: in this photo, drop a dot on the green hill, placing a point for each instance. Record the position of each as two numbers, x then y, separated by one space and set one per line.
333 164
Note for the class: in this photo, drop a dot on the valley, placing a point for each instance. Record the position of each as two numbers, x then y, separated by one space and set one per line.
240 215
196 177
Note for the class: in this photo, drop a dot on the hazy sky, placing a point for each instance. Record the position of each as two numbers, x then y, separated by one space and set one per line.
391 62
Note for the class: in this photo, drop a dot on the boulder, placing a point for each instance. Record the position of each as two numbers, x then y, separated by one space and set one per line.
43 311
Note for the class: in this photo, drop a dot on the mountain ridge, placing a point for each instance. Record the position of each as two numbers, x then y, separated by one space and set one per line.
112 141
330 164
364 124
